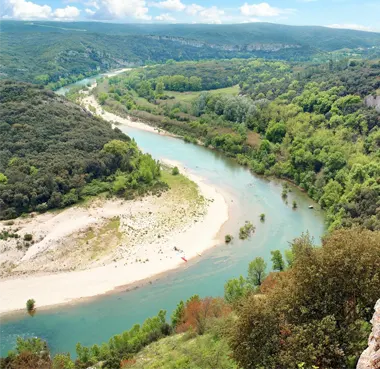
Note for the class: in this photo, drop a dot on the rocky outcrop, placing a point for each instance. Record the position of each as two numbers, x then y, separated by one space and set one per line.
373 101
370 358
257 46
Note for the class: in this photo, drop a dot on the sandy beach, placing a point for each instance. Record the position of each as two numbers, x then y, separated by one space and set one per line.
90 103
86 251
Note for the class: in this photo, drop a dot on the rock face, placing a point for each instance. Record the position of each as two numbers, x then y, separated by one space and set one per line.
373 101
370 358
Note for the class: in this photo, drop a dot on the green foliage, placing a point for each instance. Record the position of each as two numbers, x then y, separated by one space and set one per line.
262 217
3 178
175 171
65 154
124 345
30 305
34 345
228 238
277 260
235 289
62 361
256 271
246 230
28 237
178 314
317 312
304 123
208 351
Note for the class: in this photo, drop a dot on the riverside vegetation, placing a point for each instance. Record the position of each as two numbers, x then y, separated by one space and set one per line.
307 124
323 296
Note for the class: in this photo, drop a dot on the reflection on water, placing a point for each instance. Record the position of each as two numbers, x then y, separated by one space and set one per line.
248 196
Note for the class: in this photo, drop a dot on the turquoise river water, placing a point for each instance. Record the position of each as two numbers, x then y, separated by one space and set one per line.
248 196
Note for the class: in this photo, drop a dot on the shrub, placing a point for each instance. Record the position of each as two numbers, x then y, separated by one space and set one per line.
262 217
295 204
175 171
246 230
28 237
228 238
30 305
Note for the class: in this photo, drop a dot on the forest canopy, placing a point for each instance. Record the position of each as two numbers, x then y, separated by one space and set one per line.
305 123
53 153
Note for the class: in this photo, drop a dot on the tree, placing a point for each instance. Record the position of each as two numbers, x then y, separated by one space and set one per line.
262 217
277 260
256 271
30 305
178 314
102 97
318 311
228 238
3 178
175 171
159 88
235 289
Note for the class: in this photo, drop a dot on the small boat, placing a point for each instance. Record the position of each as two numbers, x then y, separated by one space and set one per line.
184 259
199 254
311 207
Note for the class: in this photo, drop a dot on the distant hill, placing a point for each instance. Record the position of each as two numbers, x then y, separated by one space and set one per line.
57 53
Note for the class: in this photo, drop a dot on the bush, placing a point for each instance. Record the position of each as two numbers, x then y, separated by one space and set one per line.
245 231
262 217
30 305
228 238
175 171
28 237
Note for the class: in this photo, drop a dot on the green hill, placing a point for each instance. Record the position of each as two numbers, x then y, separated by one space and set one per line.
58 53
53 153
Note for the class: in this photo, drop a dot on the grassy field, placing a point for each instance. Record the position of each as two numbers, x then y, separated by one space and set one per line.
191 95
180 185
184 351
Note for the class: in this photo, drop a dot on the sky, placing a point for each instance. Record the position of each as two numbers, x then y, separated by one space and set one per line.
354 14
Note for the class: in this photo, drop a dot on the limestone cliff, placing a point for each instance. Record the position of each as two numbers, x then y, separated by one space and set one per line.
370 358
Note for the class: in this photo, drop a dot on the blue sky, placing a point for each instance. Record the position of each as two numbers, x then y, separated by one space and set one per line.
354 14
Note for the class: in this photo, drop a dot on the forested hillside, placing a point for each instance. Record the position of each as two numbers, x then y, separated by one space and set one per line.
55 55
53 153
308 124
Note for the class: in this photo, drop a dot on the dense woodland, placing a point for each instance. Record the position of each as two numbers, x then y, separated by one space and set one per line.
54 154
307 124
49 54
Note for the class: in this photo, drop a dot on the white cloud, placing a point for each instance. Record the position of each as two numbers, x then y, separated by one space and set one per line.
357 27
193 9
211 15
21 9
89 11
113 9
172 5
262 10
70 12
93 4
165 17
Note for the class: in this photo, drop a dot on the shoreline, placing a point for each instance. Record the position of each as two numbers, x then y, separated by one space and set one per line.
58 288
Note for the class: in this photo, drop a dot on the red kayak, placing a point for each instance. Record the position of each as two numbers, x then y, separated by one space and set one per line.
183 258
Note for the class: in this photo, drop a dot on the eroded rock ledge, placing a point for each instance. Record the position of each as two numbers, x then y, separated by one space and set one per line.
370 358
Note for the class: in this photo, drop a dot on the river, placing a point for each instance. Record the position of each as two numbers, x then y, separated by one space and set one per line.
95 321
